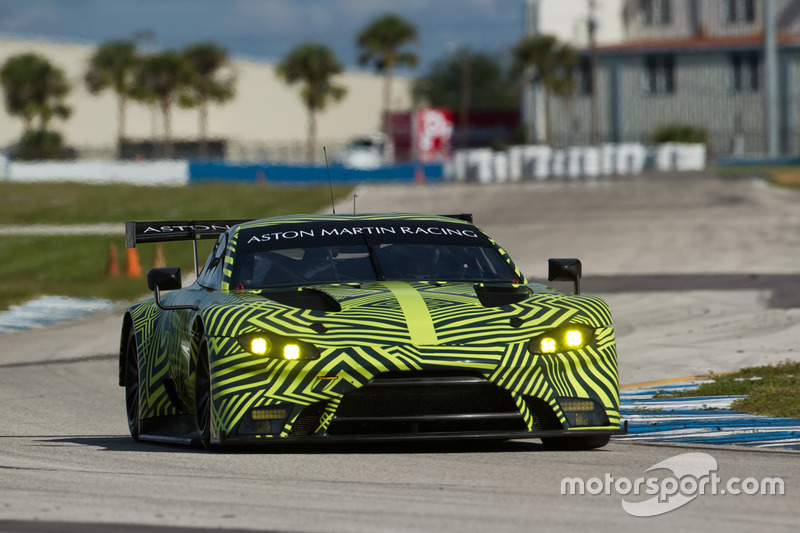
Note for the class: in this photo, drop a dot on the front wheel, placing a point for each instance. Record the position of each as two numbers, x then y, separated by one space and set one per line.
575 443
132 390
202 396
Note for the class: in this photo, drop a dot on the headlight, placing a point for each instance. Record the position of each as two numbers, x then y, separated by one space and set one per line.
562 339
277 346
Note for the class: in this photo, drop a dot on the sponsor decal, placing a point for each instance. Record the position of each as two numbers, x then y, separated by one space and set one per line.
364 230
196 227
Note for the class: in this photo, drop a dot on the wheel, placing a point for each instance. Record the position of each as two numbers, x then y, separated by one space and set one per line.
202 396
575 443
132 398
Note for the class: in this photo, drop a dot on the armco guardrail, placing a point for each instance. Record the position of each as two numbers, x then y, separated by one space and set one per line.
543 162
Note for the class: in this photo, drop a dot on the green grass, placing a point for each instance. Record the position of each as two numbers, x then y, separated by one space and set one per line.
771 390
785 176
72 203
32 266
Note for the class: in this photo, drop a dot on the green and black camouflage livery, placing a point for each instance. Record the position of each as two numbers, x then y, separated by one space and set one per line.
388 352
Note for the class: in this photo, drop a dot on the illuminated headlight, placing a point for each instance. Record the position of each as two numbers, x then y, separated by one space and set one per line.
562 339
277 347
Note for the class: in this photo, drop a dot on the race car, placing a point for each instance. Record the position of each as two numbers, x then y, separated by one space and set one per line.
363 327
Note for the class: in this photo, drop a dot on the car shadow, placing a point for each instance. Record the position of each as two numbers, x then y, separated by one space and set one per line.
124 443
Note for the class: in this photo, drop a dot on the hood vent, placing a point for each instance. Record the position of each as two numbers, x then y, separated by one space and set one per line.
498 296
310 299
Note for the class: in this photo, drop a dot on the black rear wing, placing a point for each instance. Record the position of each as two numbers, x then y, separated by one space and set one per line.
175 230
192 230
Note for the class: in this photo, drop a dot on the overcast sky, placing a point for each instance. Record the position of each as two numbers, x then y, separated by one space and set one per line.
268 29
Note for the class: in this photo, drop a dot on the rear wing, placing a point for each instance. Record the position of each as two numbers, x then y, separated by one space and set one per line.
177 230
194 230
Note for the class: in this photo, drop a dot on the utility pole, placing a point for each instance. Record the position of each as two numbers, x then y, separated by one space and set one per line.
466 90
531 94
770 78
591 30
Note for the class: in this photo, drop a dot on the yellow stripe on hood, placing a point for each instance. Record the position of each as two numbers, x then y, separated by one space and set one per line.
415 310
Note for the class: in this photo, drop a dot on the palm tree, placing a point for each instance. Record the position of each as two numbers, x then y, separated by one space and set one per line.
313 66
34 88
380 43
542 59
206 59
114 65
162 77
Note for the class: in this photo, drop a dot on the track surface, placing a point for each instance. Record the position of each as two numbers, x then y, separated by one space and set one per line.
700 273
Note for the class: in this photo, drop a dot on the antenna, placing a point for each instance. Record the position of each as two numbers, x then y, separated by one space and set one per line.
354 203
330 187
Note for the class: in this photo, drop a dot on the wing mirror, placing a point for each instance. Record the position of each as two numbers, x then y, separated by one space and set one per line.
565 269
165 279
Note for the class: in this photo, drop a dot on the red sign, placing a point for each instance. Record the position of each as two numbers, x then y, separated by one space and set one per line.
433 134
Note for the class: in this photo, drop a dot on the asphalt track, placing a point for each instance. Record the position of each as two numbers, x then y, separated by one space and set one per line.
700 273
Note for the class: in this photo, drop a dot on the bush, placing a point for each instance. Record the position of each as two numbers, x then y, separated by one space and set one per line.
680 133
40 144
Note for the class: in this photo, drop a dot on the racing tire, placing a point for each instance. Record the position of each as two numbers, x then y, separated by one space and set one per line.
132 386
575 443
202 396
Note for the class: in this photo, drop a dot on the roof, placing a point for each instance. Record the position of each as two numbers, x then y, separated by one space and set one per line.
695 44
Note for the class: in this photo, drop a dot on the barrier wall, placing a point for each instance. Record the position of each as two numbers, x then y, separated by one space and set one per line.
174 173
302 175
479 165
178 173
543 162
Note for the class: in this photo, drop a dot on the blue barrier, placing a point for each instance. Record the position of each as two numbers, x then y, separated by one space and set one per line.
753 161
304 175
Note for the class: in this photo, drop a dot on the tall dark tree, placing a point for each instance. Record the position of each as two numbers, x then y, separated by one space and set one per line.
162 78
543 59
488 83
114 66
313 66
382 45
34 89
208 84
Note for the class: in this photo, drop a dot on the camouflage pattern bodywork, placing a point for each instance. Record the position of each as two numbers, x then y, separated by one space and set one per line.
382 328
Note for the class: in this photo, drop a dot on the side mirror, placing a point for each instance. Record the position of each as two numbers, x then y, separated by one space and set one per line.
567 269
165 279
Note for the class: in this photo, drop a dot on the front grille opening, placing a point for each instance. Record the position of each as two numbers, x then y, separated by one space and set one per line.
308 419
426 403
543 415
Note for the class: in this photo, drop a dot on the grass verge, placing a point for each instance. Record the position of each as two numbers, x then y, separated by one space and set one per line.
77 203
32 266
771 390
76 266
788 177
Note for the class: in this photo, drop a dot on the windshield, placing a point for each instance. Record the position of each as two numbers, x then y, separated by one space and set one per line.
349 264
349 253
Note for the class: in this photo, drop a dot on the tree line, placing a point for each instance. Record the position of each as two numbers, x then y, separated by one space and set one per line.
201 75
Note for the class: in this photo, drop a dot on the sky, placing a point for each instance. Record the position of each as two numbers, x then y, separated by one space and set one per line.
269 29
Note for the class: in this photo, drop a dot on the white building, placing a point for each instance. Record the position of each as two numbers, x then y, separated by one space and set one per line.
266 117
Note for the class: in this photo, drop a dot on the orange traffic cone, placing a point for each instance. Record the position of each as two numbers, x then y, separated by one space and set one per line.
419 174
134 269
159 261
112 266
